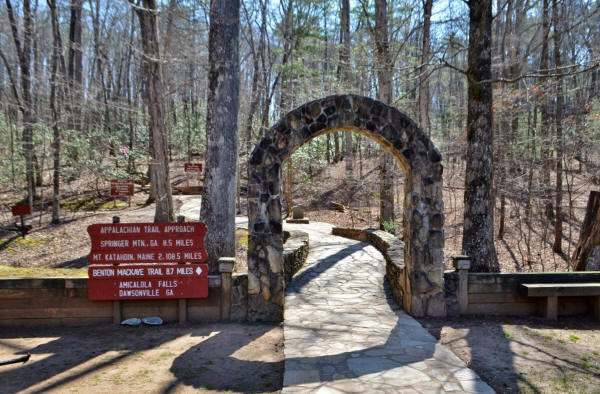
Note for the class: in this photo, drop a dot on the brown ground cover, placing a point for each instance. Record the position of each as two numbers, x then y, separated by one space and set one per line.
526 355
150 359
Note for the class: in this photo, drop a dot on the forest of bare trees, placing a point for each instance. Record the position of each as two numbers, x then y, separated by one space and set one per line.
92 90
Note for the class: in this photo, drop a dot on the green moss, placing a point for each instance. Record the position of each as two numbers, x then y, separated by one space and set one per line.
89 204
112 205
241 236
30 241
82 204
20 272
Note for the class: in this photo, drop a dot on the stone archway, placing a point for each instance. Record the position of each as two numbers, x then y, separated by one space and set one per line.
423 205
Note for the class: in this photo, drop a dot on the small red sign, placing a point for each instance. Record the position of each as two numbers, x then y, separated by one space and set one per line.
21 209
121 187
192 167
144 282
126 243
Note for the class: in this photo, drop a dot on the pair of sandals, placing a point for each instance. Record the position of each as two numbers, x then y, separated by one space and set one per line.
136 321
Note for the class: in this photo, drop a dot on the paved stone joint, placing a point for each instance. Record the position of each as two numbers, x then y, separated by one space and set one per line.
344 334
423 204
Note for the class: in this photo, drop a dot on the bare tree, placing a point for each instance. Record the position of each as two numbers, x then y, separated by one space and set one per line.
423 70
345 76
478 232
384 94
558 120
75 66
220 176
24 100
57 69
147 15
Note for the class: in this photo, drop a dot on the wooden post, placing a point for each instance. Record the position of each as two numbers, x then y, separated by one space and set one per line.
551 307
596 307
226 265
117 312
23 227
462 264
182 302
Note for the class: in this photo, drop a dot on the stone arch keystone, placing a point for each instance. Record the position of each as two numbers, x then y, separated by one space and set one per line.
423 205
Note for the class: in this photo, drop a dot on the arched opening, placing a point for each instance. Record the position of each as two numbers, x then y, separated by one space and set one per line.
423 204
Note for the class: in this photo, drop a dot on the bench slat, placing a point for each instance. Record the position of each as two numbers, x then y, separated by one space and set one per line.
560 289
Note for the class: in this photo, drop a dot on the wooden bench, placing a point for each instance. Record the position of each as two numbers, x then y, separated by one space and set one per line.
551 292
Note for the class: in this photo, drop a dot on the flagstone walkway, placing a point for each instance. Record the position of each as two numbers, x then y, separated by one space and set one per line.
345 334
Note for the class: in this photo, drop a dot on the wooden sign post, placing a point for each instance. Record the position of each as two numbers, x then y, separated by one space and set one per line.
121 187
22 210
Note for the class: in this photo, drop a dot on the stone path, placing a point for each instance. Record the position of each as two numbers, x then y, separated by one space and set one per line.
345 334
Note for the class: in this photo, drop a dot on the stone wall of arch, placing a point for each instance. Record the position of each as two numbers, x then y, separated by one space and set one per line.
423 204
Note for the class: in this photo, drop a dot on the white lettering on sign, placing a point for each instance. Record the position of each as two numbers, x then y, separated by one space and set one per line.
119 230
192 256
135 284
115 243
130 271
138 242
179 229
155 271
167 283
185 271
145 256
139 293
184 242
151 229
103 272
118 256
169 292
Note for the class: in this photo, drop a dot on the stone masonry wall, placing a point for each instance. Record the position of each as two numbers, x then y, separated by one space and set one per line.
295 252
423 205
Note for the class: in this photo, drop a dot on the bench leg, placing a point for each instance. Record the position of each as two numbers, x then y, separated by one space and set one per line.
551 307
596 307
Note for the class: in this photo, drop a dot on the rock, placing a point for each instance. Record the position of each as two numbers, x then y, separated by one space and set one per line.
297 212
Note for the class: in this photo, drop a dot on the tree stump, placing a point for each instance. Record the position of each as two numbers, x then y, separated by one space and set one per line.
585 257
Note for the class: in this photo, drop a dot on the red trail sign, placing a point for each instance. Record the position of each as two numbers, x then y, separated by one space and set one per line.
143 282
121 187
192 167
126 243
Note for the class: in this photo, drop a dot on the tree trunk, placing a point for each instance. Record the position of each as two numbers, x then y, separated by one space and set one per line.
384 77
218 199
24 55
345 79
423 77
544 114
75 67
589 238
254 93
557 247
54 108
156 110
478 237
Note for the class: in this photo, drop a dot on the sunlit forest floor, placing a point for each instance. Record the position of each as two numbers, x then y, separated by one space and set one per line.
87 201
522 248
